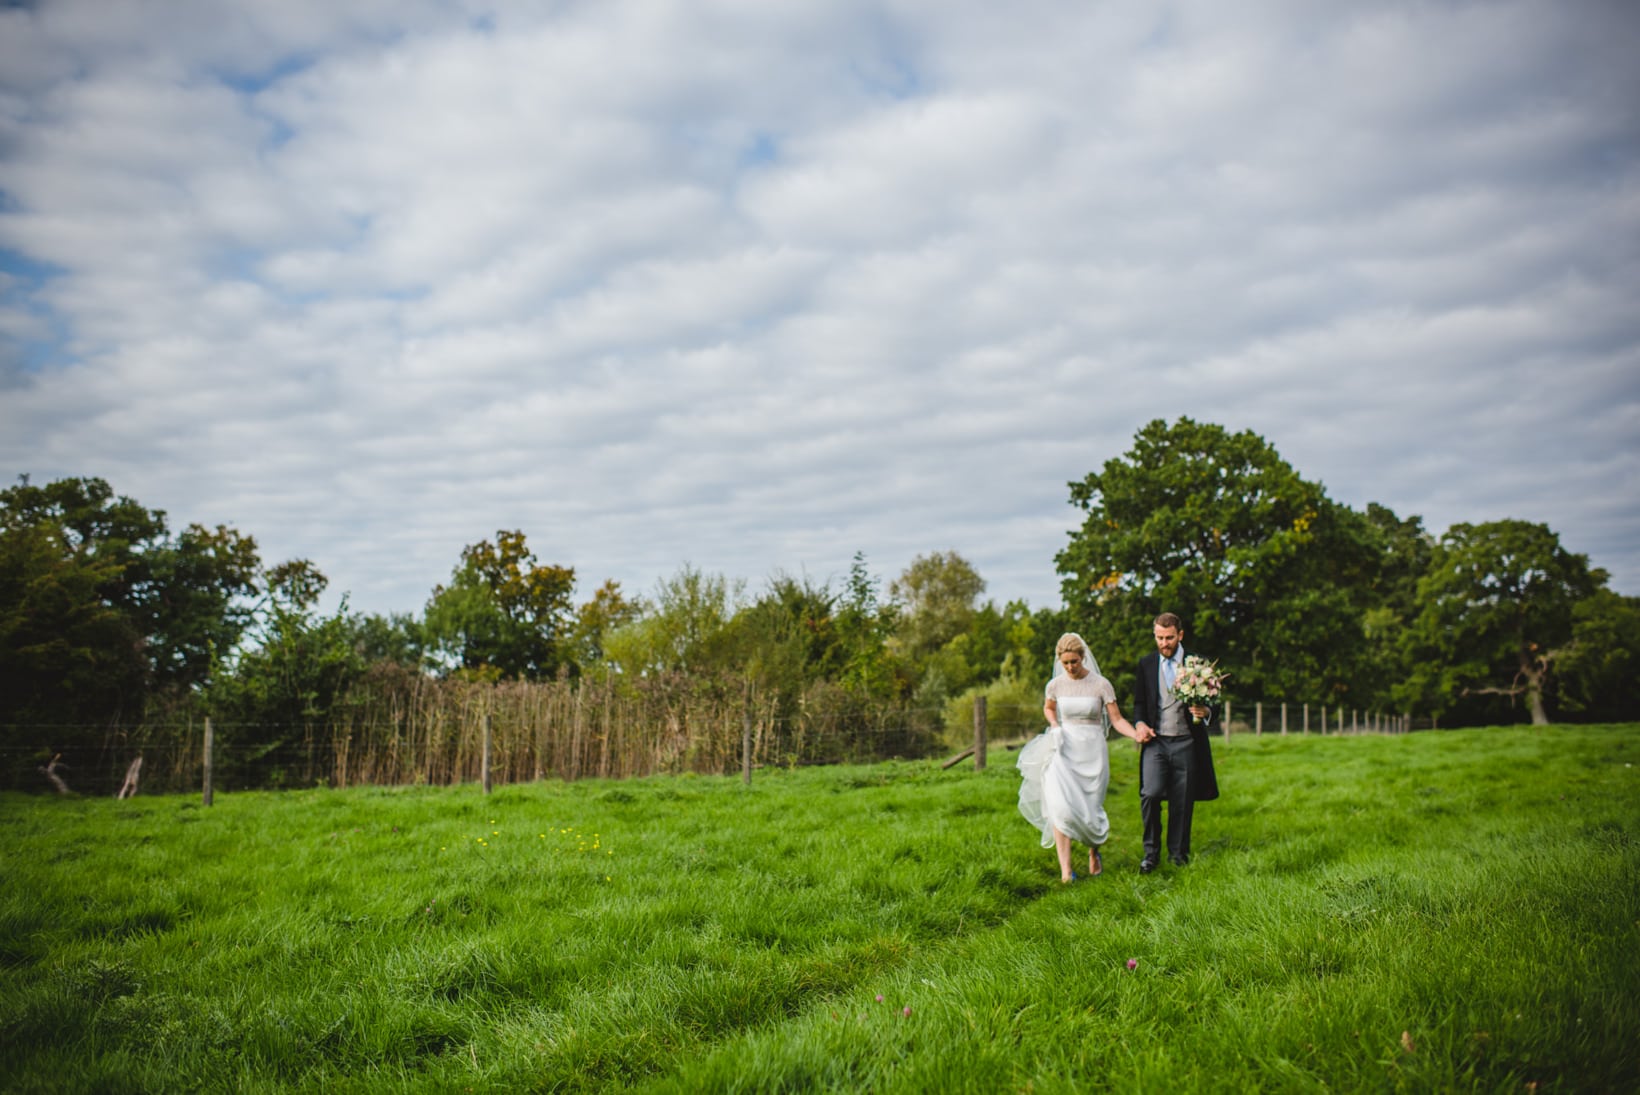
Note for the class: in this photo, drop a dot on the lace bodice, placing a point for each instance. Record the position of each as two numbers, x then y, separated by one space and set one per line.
1080 702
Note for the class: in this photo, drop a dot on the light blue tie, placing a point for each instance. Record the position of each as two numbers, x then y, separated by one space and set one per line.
1167 672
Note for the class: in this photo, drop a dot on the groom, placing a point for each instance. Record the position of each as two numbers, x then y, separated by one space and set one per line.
1175 763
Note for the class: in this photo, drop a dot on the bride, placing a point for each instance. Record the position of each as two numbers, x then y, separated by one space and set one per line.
1067 769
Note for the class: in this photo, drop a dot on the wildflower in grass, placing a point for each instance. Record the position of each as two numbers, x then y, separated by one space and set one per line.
1133 963
907 1011
879 997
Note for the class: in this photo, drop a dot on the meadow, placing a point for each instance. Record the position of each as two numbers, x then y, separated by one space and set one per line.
1438 911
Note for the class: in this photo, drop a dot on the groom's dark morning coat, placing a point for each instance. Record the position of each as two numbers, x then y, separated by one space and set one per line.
1147 708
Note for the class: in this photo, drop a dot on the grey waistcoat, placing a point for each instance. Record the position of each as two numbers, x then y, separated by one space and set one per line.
1175 721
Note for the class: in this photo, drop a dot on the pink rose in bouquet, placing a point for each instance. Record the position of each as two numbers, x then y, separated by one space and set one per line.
1199 682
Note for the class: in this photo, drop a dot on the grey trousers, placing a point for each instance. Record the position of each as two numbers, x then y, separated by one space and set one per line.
1164 772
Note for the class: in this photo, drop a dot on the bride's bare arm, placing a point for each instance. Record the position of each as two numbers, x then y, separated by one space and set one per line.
1123 726
1050 710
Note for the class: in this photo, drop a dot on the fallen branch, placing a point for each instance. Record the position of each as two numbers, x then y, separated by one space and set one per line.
50 772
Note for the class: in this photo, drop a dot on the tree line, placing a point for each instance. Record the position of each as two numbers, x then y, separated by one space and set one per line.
118 633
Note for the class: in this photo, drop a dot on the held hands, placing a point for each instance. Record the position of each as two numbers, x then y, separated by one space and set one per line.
1143 733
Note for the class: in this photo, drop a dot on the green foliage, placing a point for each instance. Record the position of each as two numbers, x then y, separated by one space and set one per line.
681 631
1267 572
104 614
503 614
1499 606
1013 711
180 599
1014 640
1595 678
1425 912
864 626
397 639
787 638
66 654
608 610
289 683
195 601
1278 582
936 596
114 632
1393 663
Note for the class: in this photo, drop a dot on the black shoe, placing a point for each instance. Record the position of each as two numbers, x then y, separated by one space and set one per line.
1181 860
1146 866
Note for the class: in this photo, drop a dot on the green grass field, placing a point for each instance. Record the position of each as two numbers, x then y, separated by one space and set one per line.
1429 912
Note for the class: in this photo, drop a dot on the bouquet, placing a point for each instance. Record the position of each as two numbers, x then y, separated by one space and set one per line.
1198 682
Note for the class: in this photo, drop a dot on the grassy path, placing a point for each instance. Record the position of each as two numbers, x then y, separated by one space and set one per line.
1452 911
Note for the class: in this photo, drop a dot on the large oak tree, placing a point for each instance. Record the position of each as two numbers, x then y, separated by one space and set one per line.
1500 605
1269 574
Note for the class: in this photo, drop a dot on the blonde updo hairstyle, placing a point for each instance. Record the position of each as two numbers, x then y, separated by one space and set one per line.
1070 641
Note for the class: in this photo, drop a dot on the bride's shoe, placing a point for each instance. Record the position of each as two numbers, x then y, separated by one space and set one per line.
1096 863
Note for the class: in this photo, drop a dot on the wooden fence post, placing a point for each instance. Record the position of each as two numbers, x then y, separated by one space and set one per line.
208 743
1258 717
746 738
607 721
1283 716
484 757
1306 718
979 733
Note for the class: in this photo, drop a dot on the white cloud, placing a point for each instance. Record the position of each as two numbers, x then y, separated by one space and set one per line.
757 286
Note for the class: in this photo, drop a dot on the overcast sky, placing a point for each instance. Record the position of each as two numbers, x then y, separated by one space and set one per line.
758 284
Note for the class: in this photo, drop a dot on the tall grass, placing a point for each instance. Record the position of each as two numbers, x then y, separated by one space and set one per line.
402 727
1441 911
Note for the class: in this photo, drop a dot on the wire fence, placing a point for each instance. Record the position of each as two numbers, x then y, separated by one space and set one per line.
444 733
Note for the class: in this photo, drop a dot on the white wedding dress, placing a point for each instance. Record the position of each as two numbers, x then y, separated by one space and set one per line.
1066 769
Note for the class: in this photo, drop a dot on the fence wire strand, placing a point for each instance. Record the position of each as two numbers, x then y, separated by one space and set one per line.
536 731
